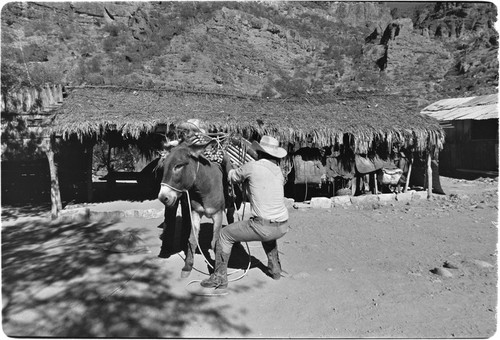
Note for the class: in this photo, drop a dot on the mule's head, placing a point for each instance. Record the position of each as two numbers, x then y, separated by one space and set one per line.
180 169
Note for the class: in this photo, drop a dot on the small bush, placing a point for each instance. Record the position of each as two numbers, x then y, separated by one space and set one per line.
291 87
33 52
95 64
81 71
149 84
95 79
67 31
109 45
186 58
156 70
113 30
42 26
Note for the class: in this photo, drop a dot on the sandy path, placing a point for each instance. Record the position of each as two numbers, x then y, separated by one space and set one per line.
351 272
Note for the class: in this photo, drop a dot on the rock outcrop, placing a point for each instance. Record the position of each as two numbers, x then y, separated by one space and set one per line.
270 49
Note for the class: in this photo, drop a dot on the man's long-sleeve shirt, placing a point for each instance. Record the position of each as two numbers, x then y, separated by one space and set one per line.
265 188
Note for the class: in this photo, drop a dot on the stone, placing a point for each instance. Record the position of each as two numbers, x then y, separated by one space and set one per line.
129 213
386 197
364 199
321 202
289 202
419 195
404 196
301 205
450 265
152 213
442 272
341 200
483 264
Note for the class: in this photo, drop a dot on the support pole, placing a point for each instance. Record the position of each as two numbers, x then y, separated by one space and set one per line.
55 194
429 176
407 184
89 152
108 163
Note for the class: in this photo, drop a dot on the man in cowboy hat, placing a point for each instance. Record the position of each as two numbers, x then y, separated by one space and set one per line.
269 221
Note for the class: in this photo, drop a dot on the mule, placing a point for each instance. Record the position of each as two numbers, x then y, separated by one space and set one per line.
186 170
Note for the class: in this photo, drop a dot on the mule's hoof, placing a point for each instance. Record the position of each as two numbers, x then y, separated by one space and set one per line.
185 273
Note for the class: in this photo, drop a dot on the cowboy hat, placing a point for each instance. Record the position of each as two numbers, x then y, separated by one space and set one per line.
192 125
269 145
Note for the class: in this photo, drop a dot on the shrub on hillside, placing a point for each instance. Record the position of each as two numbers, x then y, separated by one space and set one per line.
291 87
44 73
34 52
109 44
95 64
95 79
113 29
13 76
186 57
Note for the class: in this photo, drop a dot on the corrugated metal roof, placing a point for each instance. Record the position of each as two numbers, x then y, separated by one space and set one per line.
477 108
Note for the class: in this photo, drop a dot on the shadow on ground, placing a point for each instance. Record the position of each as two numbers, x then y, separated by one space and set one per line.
68 279
15 211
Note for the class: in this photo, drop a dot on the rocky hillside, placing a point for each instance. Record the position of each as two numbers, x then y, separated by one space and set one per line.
268 49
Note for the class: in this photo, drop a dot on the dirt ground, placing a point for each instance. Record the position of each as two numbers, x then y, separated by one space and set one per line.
404 269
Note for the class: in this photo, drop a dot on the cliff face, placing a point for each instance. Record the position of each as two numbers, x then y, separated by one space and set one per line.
270 49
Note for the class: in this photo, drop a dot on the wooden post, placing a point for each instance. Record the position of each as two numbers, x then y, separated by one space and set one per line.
55 194
108 163
429 176
89 151
407 184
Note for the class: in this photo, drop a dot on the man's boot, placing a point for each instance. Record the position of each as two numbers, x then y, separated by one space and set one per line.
218 279
273 260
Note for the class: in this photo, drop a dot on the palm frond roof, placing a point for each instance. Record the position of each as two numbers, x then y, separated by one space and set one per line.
93 110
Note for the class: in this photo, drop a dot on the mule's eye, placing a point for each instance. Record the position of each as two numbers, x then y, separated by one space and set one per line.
179 166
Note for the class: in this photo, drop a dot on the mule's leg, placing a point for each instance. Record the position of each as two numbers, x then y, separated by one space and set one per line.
217 219
230 214
188 262
273 260
195 232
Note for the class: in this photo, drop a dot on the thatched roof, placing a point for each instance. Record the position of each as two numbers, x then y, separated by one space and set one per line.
132 111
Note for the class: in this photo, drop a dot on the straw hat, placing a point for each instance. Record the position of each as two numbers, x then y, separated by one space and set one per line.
269 145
